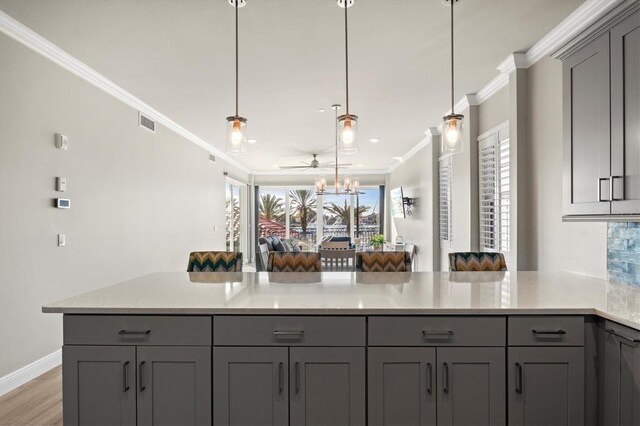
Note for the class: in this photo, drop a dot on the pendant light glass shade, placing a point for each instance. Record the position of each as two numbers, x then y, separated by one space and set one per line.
348 131
452 139
236 135
321 185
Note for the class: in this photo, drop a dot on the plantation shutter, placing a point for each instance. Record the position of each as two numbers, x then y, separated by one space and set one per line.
493 167
444 178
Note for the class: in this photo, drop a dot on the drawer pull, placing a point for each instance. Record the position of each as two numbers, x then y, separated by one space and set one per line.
438 333
141 370
125 376
134 332
429 378
548 332
628 339
518 377
445 377
291 333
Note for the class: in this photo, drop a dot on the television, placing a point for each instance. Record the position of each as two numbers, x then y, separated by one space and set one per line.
397 203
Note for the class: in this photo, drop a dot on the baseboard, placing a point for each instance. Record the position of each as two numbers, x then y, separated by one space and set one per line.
29 372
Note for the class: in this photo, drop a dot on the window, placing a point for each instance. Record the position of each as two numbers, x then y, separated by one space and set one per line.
235 215
444 179
493 167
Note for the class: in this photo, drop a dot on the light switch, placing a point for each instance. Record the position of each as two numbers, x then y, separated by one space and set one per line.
62 240
61 184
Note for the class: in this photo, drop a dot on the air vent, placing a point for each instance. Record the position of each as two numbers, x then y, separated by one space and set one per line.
212 158
146 123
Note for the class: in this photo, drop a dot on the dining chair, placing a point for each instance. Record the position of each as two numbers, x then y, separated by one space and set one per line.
294 261
215 261
383 261
476 261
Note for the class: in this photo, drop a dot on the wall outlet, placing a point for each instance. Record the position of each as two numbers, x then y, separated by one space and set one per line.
62 240
62 142
61 184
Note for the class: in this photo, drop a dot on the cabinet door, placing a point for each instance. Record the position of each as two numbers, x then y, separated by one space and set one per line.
327 386
250 386
471 386
402 386
546 386
587 140
99 385
625 115
174 385
620 377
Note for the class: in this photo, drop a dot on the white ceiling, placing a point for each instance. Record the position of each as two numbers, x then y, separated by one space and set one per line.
177 56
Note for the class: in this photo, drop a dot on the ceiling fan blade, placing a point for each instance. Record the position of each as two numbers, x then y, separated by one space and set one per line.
294 167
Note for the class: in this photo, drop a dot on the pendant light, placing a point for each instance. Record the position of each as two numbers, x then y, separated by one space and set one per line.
236 125
347 123
452 123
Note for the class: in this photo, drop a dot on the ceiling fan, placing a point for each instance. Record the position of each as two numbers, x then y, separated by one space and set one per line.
315 164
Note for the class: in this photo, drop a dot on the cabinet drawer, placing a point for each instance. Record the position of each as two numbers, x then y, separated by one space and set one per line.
546 331
625 334
437 331
289 331
137 330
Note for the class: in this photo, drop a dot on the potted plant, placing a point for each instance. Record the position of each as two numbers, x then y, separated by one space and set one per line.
377 241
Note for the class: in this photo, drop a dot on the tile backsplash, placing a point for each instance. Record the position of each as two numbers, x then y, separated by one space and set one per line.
623 252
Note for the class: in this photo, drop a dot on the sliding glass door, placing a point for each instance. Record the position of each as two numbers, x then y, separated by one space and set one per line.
236 217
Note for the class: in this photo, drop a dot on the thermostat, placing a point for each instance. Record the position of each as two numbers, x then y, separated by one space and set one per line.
63 203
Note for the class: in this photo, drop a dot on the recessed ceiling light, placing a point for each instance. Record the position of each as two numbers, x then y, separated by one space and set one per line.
320 109
374 140
397 158
360 165
252 140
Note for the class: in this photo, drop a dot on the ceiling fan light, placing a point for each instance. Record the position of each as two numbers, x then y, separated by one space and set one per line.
452 137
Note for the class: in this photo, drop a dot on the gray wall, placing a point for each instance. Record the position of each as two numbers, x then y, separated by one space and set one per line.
494 111
555 245
416 179
140 201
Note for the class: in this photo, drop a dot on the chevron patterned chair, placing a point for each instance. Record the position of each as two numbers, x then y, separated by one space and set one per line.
215 261
289 261
476 261
383 261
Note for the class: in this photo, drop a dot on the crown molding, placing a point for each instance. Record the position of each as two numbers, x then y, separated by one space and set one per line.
513 62
22 34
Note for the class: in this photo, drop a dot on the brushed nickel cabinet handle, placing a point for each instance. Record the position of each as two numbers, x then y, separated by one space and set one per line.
445 377
125 376
280 378
442 333
611 188
548 332
288 333
126 332
141 371
518 377
429 378
297 378
600 190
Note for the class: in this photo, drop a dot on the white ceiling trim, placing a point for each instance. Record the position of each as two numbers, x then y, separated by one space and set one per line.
36 42
570 27
318 172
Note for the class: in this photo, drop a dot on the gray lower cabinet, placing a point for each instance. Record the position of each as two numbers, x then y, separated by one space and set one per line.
174 385
619 362
327 386
250 386
546 385
470 383
401 388
99 385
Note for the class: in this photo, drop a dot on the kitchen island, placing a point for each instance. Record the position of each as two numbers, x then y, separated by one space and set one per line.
353 348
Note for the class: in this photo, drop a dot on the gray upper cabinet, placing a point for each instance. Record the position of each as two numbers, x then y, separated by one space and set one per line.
402 388
587 130
99 385
251 386
327 386
174 385
625 115
546 386
601 92
619 387
470 383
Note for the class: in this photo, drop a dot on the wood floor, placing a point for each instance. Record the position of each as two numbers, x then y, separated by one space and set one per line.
38 402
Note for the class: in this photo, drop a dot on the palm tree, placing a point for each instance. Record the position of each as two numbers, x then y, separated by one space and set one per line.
344 213
303 203
271 207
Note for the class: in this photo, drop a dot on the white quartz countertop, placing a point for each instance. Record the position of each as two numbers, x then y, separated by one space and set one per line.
346 293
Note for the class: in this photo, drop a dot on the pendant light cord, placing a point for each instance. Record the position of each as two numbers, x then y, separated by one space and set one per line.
336 178
346 50
452 77
236 7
